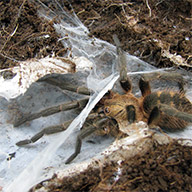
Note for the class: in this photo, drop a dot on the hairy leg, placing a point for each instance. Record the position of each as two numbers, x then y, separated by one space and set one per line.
86 131
51 110
145 79
169 118
70 82
122 64
131 113
45 131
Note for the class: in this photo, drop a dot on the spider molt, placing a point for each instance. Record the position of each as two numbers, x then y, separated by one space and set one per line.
167 109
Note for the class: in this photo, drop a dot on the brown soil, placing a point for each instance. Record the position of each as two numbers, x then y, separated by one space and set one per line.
163 168
23 35
139 25
145 28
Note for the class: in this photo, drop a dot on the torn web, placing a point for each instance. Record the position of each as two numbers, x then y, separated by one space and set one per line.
37 162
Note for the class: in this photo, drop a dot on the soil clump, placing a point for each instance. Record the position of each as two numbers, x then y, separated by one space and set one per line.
164 167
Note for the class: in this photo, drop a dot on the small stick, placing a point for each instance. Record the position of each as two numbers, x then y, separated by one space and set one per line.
15 26
147 3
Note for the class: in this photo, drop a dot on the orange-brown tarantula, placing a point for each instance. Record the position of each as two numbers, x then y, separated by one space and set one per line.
169 110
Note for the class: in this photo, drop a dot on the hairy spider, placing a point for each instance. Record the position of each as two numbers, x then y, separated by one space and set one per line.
169 110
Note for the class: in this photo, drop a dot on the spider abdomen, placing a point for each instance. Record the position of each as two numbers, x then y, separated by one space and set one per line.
172 105
173 99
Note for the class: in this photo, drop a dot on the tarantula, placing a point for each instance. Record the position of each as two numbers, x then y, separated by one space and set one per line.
169 110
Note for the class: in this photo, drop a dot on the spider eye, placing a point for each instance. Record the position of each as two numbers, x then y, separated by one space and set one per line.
106 130
106 110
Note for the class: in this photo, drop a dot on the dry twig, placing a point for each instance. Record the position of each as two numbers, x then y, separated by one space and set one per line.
16 25
147 3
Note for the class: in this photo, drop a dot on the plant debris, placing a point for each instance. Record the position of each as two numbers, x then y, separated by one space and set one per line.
147 29
164 167
24 34
156 31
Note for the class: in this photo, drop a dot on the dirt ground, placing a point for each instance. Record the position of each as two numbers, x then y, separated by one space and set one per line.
145 28
162 168
23 35
157 31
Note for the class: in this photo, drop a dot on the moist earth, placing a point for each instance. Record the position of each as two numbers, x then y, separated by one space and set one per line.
163 168
157 31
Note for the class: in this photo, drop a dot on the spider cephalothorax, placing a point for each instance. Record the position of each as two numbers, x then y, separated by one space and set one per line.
124 108
169 110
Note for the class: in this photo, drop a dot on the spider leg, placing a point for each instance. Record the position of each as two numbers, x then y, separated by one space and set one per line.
74 88
86 131
51 110
45 131
169 118
174 77
145 86
66 82
122 64
131 113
